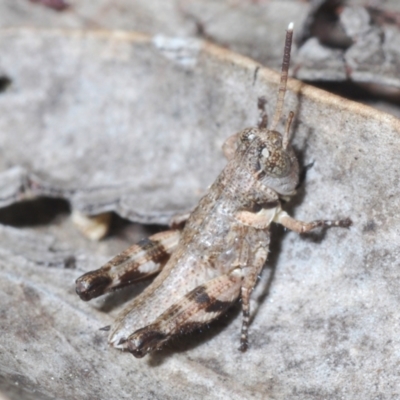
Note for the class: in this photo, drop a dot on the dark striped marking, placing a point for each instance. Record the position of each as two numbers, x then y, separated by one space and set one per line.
154 249
199 295
218 306
117 260
144 340
256 207
133 275
92 284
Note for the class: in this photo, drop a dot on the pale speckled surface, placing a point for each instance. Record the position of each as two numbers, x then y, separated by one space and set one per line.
327 328
252 28
248 27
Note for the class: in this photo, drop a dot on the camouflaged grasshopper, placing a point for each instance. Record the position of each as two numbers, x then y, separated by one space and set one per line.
221 251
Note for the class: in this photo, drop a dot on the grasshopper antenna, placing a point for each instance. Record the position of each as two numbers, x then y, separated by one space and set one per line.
284 78
286 135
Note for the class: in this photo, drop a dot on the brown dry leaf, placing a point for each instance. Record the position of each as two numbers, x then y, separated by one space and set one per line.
125 122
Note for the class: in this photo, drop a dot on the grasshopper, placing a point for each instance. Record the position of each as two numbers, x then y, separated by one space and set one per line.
218 256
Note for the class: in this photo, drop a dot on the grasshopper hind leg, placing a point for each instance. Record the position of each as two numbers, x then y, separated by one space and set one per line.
138 262
202 305
197 308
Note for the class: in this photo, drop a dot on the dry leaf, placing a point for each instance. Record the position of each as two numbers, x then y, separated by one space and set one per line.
340 41
116 121
352 41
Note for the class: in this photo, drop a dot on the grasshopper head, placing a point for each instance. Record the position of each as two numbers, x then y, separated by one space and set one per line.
271 158
269 152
